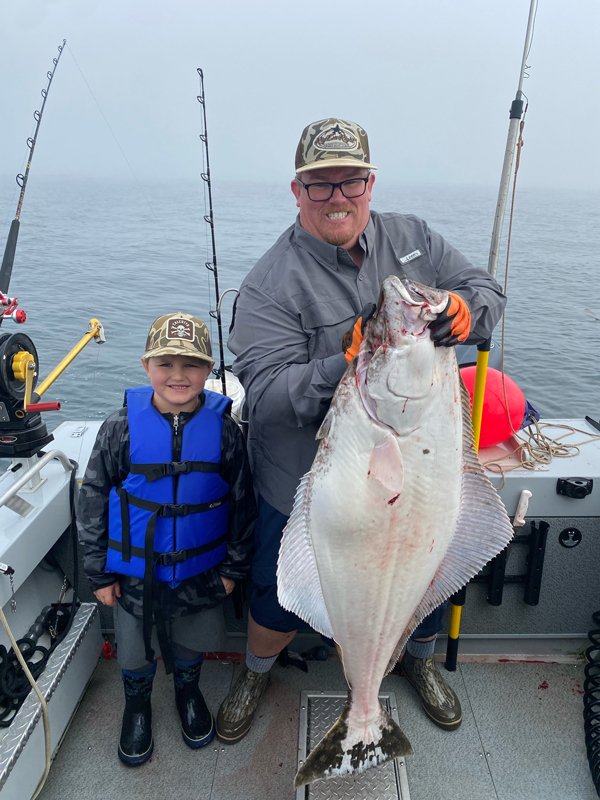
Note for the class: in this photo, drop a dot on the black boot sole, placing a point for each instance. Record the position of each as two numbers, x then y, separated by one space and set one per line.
195 744
136 761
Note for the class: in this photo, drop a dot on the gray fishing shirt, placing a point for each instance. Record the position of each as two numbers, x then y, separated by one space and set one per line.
292 312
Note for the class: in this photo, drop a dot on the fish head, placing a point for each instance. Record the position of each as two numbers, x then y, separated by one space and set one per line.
396 359
404 311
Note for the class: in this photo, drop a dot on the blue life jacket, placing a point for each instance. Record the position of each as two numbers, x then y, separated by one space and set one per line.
168 520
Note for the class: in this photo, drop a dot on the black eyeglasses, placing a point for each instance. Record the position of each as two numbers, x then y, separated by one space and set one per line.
319 192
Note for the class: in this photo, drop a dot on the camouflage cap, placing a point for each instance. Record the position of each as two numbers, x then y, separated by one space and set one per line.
179 334
332 143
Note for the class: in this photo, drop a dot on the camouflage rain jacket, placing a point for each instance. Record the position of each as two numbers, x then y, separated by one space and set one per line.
109 466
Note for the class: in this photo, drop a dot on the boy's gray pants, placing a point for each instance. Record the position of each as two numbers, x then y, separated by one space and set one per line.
190 636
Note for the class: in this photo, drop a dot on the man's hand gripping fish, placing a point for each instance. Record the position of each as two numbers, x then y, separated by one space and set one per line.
394 517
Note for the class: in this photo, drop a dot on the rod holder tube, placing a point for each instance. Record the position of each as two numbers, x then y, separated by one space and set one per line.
535 563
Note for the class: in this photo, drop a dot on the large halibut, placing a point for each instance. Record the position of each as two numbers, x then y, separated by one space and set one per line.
394 516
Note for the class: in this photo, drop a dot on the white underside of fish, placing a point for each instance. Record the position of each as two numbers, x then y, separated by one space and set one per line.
386 532
392 519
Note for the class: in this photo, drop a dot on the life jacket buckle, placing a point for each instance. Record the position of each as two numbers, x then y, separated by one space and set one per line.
170 559
174 510
179 468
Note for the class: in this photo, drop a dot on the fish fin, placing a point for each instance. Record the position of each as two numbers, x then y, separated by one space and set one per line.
483 527
298 584
326 426
386 464
483 530
343 751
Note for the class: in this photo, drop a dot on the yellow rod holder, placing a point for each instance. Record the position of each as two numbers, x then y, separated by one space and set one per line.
95 331
457 601
454 627
479 394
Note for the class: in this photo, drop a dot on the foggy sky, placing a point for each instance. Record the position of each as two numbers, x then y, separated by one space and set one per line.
431 81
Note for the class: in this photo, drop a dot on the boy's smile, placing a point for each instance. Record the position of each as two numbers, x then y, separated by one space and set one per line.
177 381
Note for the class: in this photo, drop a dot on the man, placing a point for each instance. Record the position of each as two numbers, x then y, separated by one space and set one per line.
318 281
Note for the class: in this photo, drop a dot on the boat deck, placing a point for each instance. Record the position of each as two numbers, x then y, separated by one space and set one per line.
521 739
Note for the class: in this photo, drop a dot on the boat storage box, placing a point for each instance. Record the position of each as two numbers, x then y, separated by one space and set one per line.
539 596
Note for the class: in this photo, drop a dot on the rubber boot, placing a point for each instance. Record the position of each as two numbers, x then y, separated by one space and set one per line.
439 700
239 707
136 743
197 723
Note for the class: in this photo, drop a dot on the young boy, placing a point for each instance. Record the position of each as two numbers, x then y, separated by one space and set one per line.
165 517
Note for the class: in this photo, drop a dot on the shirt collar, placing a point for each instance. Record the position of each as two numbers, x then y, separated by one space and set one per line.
325 253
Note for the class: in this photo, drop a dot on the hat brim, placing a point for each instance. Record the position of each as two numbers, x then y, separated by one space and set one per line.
176 351
331 163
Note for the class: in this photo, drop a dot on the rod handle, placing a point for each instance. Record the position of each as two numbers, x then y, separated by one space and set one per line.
9 256
49 406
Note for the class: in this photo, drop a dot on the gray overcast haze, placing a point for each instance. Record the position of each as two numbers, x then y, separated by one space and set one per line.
431 81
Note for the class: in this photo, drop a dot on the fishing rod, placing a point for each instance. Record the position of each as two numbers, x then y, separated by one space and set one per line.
516 114
209 219
11 243
22 431
483 351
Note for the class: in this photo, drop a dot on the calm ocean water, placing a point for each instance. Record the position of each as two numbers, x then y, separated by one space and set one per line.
127 253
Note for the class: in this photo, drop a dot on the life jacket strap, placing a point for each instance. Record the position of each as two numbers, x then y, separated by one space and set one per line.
171 558
148 588
169 509
164 639
125 530
155 471
148 611
162 559
179 556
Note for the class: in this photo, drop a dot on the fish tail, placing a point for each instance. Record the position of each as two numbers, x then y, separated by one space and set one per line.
344 749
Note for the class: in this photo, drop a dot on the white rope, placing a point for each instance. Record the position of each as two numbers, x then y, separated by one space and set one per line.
41 698
535 449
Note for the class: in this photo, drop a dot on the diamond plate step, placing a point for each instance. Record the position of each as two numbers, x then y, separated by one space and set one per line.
62 683
318 712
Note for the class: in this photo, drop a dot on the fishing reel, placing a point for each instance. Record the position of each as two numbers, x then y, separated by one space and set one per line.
22 431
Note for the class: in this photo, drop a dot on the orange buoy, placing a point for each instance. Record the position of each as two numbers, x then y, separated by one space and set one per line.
500 417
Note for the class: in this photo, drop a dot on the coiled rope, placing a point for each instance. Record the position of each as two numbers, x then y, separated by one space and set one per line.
534 449
591 703
14 683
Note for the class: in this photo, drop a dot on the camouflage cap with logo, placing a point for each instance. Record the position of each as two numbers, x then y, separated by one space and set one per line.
179 334
332 143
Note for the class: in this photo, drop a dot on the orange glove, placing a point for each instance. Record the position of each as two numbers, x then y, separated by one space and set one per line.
453 325
353 337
